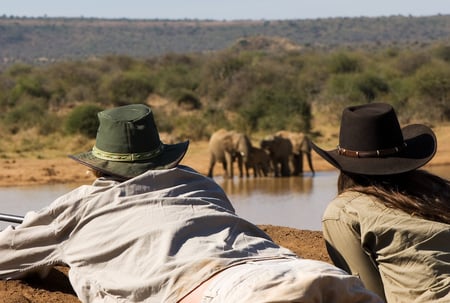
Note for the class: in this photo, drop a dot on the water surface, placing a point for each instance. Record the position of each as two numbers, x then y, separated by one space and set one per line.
296 201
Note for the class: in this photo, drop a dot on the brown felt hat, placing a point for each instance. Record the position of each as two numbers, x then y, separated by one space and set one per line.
128 144
371 142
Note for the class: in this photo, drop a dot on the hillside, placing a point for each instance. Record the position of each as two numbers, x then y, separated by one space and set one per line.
42 40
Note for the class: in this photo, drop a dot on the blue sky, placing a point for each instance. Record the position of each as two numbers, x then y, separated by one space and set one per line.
222 9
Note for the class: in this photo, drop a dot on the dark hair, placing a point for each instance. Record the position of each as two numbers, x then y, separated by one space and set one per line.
418 192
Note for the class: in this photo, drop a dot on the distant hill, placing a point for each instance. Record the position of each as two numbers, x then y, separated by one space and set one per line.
41 40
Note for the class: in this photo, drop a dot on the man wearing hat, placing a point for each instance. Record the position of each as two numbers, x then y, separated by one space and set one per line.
390 223
151 230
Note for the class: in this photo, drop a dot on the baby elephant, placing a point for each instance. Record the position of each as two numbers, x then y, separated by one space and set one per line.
259 161
280 152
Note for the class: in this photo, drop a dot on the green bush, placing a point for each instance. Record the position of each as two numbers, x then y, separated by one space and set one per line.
443 52
409 63
342 87
192 127
31 85
342 63
371 86
272 110
19 69
83 120
73 82
187 100
433 87
127 88
175 72
434 83
218 72
28 113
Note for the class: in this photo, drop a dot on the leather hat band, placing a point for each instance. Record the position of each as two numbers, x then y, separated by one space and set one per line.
370 154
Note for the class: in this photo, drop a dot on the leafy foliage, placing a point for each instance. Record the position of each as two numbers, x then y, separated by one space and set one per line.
27 114
433 85
371 86
83 120
343 63
127 87
251 90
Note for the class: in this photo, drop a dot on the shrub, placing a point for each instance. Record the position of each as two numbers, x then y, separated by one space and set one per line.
220 71
371 86
342 87
83 120
443 52
410 63
19 69
273 110
128 88
187 100
433 86
26 114
30 85
343 63
191 127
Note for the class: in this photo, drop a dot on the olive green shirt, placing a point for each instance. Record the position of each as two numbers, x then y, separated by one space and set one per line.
412 254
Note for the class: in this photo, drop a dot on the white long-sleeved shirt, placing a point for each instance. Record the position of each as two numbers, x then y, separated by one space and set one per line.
152 238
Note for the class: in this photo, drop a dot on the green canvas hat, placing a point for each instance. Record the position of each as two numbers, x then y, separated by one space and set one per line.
128 144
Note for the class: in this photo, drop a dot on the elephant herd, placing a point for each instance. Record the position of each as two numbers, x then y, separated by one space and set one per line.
279 155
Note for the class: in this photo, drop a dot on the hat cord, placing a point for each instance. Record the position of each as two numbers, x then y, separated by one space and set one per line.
371 154
127 157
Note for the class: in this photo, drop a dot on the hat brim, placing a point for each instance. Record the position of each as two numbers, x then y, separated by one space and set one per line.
170 157
420 148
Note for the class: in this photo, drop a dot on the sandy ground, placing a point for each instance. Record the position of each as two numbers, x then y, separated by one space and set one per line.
56 288
19 171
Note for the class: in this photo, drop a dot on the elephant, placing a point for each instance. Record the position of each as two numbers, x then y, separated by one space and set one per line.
259 161
280 151
227 146
301 146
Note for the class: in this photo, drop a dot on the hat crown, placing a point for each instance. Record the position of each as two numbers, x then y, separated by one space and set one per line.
127 130
370 127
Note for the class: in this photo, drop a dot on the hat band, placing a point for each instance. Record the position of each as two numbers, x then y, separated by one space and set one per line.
370 154
127 157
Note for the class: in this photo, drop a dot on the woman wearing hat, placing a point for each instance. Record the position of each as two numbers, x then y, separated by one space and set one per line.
390 223
151 230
